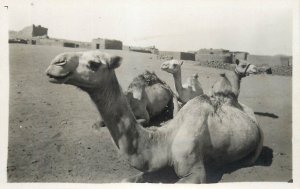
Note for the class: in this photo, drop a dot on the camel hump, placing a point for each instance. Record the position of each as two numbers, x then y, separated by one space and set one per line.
145 79
150 78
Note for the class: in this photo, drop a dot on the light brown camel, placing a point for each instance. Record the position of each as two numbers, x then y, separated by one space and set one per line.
201 132
242 69
148 96
190 89
231 82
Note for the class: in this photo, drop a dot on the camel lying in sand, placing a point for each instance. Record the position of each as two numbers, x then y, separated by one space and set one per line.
148 97
202 131
190 89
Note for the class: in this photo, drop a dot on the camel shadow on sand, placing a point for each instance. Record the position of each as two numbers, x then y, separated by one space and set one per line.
266 114
167 175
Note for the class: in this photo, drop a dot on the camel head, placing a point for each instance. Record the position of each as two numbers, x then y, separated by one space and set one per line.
171 66
244 68
83 69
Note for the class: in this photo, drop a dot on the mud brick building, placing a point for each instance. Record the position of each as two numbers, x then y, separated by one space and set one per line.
177 55
100 43
29 32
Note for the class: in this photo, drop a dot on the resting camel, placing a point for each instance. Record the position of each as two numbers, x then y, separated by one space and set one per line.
148 96
242 69
190 89
201 133
231 82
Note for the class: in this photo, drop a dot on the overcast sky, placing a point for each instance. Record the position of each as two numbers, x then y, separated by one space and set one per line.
259 27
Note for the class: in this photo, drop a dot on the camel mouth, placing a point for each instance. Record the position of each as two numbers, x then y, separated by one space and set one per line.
163 68
58 78
254 72
166 69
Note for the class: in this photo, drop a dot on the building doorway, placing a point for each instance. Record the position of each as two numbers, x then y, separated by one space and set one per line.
97 46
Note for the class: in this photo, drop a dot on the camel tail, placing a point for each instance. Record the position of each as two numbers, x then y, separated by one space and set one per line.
252 159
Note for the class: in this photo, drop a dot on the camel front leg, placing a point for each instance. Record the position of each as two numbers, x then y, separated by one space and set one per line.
139 178
197 175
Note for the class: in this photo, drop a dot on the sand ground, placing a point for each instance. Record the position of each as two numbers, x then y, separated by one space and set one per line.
51 138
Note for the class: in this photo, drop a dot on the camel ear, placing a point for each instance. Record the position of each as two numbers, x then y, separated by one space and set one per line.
115 62
237 61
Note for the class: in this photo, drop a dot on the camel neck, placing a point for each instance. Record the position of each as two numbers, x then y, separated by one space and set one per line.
178 82
119 119
236 83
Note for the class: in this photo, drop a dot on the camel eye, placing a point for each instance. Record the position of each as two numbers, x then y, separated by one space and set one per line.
94 65
244 66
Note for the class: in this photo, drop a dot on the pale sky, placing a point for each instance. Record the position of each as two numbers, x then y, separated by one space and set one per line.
259 26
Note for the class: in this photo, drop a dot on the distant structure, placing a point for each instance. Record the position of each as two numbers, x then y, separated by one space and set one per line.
38 35
60 42
100 43
176 55
29 32
213 55
150 49
286 60
240 55
277 60
219 55
212 51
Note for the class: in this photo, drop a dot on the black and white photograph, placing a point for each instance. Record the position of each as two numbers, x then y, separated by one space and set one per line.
111 91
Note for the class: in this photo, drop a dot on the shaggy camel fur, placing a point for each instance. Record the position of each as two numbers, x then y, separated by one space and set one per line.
190 89
148 96
202 131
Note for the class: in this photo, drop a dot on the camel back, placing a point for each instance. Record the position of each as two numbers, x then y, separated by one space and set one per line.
148 79
145 79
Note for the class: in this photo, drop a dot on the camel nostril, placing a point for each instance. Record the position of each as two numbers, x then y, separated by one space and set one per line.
163 67
49 75
60 62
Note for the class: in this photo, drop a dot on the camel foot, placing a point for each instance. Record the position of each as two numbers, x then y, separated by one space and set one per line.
98 125
193 178
134 179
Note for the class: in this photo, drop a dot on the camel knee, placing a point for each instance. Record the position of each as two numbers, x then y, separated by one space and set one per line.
98 124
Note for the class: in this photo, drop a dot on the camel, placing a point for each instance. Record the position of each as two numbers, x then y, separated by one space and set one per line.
225 85
242 69
148 96
202 134
190 89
